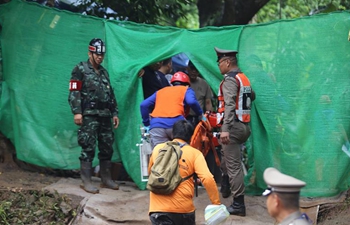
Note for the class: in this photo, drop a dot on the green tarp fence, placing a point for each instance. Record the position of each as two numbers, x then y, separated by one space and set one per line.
299 70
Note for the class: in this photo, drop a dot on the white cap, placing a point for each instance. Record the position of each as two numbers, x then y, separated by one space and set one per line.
279 182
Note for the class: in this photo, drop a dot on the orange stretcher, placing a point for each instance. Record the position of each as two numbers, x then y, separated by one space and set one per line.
203 139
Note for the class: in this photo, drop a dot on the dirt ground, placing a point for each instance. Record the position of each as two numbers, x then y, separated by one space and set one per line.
13 178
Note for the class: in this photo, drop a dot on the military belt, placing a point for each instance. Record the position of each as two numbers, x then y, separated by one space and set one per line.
97 105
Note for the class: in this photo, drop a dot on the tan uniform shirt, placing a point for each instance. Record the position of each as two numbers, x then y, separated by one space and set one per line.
229 90
296 218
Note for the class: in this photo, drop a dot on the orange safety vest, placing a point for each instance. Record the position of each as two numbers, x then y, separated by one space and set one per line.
170 102
243 99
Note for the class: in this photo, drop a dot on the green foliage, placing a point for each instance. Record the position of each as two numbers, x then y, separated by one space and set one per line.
4 208
180 13
140 11
290 9
34 207
190 20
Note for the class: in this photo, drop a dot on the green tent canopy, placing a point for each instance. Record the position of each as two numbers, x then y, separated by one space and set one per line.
299 70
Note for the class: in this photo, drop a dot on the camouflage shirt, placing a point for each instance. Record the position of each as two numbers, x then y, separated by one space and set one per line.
94 95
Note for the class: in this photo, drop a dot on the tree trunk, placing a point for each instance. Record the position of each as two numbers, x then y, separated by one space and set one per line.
227 12
210 12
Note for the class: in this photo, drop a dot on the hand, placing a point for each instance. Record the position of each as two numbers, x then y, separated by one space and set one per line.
140 73
78 119
225 138
115 122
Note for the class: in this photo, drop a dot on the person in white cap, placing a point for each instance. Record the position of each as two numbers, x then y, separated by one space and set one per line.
282 202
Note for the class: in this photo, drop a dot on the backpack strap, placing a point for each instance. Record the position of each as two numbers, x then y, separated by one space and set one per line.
182 144
189 176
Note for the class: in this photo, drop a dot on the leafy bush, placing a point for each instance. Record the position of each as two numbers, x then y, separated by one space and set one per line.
35 207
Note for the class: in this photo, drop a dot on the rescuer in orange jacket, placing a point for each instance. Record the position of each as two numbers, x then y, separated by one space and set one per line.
170 105
235 98
178 208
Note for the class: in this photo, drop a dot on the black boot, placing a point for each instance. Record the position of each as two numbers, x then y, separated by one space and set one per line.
237 208
85 174
225 186
105 173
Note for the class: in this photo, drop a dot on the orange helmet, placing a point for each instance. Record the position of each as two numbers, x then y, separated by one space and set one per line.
180 78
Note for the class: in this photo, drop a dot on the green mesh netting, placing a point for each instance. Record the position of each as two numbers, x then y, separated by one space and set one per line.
299 70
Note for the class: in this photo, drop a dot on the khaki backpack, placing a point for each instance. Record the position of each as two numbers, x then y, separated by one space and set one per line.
165 176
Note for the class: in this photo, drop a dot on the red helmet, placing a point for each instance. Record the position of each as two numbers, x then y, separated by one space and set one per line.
180 77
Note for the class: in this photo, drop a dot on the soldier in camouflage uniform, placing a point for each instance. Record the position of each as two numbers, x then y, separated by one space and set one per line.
94 106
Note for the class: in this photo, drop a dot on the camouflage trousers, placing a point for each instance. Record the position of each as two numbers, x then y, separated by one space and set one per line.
96 129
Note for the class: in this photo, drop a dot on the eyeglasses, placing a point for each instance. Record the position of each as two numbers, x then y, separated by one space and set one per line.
221 61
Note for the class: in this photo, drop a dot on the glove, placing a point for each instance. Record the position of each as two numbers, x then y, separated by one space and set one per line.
204 118
146 129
